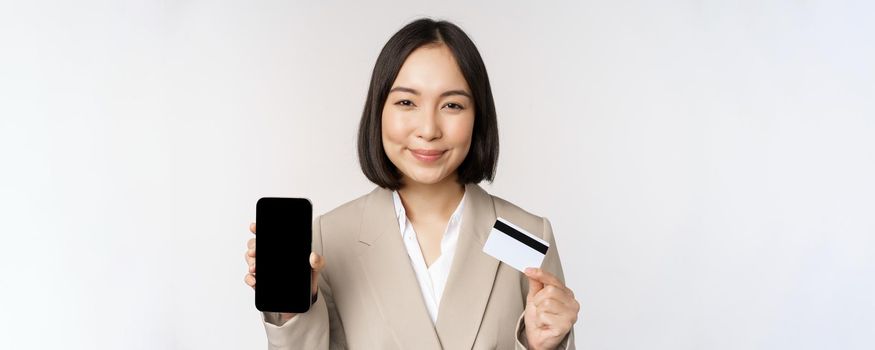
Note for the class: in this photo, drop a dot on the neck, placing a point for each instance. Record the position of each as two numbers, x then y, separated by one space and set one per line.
431 201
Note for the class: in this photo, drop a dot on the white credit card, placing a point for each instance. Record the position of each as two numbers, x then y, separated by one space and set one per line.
515 246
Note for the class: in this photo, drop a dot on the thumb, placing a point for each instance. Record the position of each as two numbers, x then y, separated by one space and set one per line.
317 262
535 286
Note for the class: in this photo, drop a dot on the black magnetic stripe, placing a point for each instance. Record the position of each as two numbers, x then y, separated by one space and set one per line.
521 237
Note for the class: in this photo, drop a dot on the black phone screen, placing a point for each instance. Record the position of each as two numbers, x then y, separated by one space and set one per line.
282 254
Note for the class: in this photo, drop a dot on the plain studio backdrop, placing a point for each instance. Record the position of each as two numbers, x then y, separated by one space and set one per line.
708 166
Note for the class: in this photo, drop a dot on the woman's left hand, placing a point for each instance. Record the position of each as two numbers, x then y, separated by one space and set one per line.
551 310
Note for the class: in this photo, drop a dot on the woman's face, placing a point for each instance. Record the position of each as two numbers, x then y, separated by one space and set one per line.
428 117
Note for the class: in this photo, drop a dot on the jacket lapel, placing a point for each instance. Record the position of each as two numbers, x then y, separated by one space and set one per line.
471 275
390 275
393 282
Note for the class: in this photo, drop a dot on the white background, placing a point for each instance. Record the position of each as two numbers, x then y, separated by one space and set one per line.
708 165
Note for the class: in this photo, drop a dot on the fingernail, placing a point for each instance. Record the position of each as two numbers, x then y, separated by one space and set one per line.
530 270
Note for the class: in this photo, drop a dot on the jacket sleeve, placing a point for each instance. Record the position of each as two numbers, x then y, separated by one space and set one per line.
553 265
318 328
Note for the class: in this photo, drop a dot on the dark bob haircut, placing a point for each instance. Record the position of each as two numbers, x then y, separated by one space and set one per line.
482 157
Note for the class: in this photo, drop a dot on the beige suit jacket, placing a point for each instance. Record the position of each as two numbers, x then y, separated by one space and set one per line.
369 297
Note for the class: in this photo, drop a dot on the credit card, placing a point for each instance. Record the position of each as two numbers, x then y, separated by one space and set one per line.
515 246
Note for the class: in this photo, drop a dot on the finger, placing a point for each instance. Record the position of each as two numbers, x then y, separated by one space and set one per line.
252 228
564 306
535 286
552 305
250 260
545 320
548 317
251 243
543 277
556 325
553 326
551 291
250 280
250 252
317 262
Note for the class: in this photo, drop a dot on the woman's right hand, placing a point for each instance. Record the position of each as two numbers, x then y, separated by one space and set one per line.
316 262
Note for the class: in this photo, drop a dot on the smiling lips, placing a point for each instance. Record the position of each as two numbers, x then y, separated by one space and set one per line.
426 155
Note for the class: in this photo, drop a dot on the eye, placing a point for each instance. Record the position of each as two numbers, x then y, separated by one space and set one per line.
405 103
455 106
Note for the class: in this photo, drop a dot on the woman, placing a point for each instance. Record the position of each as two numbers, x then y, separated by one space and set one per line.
403 266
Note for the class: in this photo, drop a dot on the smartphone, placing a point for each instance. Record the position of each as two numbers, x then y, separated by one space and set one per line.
284 238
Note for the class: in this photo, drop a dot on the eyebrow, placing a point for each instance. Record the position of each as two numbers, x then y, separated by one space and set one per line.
446 93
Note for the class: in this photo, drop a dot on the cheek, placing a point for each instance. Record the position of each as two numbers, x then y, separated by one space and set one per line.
460 130
392 129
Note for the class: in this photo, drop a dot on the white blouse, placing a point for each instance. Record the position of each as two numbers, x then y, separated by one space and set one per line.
432 279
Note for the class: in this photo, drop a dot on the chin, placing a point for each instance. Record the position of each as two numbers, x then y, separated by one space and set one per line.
427 179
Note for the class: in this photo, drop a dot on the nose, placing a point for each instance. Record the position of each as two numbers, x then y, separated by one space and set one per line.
428 128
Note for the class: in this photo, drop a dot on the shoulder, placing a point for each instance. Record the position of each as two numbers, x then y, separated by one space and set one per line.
348 216
534 223
349 213
537 225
